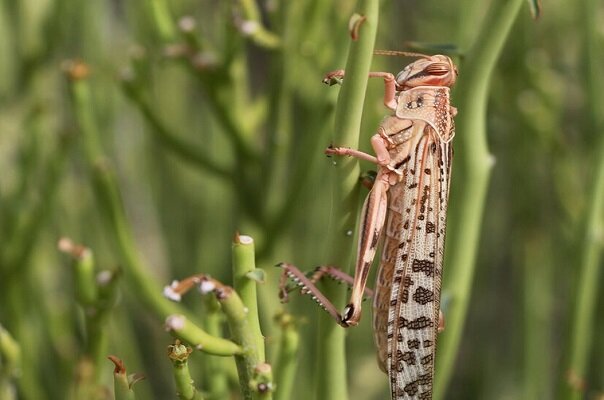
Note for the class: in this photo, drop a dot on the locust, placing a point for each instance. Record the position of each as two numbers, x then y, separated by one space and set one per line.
406 210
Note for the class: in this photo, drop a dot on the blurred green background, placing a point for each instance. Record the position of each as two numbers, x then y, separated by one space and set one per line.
216 123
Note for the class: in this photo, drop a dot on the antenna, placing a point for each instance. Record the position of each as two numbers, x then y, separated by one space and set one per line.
399 53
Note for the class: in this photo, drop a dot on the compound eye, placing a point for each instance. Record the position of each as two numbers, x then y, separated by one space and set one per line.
438 69
400 77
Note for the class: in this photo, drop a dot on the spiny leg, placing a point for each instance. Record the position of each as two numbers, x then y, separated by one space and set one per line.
307 286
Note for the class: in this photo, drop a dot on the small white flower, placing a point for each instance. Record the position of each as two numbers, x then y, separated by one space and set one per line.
175 322
249 27
172 294
206 286
187 24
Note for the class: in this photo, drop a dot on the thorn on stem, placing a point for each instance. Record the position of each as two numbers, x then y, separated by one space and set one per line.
120 368
354 24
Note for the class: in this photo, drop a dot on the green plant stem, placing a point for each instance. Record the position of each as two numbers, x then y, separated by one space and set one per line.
473 170
122 387
185 387
331 358
96 297
214 369
582 331
244 335
182 328
145 289
537 314
97 317
221 87
287 362
10 364
259 34
29 159
168 139
24 235
163 20
262 382
243 265
84 276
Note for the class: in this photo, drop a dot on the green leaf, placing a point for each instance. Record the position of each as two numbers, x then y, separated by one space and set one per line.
257 275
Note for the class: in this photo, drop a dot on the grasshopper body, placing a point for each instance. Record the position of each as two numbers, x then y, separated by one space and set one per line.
407 206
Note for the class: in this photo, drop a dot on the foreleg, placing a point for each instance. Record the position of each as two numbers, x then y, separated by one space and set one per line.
389 84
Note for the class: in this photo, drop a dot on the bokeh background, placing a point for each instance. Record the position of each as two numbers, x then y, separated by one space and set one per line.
213 117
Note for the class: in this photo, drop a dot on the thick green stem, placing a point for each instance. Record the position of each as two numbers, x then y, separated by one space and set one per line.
246 336
244 266
331 358
262 382
473 170
590 275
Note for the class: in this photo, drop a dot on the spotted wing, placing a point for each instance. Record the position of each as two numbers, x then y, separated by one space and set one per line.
407 298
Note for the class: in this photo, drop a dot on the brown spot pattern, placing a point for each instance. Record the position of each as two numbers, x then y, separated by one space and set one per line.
423 296
425 266
417 323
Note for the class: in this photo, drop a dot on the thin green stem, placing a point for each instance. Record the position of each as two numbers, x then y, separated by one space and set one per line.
29 159
84 271
221 88
537 314
163 20
167 138
253 27
473 170
96 294
143 286
10 364
25 233
122 386
185 387
214 369
287 362
182 328
582 332
331 358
